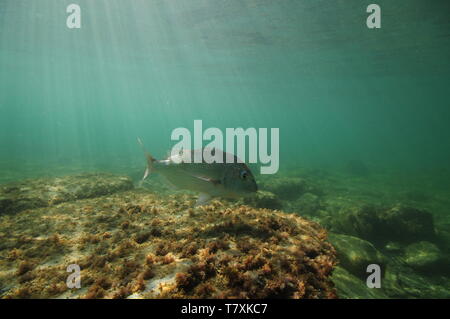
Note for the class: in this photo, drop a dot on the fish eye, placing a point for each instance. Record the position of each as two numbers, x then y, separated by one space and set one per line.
243 175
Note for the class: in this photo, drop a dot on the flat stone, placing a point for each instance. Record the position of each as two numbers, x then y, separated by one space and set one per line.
355 254
424 256
44 192
349 286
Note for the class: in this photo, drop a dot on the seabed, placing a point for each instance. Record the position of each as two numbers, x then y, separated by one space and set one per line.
302 236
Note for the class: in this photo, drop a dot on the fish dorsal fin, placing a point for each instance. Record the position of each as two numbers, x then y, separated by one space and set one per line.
203 199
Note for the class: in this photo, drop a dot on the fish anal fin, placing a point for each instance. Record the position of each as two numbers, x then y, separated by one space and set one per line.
203 199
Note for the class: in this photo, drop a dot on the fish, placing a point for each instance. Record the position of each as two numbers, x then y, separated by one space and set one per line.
228 179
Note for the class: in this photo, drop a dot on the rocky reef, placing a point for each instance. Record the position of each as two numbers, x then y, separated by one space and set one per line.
381 225
368 226
43 192
153 243
132 243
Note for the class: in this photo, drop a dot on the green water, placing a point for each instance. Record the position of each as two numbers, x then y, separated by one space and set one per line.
336 89
74 100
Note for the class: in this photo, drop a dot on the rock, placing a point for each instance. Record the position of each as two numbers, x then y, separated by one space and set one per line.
417 196
426 257
350 287
380 226
401 281
307 204
362 222
406 224
393 247
43 192
443 235
355 254
139 244
264 199
285 187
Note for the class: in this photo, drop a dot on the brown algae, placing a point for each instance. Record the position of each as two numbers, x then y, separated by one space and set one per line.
136 244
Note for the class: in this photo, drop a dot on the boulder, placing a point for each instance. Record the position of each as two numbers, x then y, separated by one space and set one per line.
402 281
264 199
287 188
307 204
350 287
138 244
443 237
393 247
43 192
362 222
406 224
380 225
355 254
426 257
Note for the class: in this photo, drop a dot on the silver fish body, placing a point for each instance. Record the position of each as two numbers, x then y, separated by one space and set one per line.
229 178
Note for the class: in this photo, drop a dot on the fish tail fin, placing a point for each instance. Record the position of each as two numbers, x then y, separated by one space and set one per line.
150 161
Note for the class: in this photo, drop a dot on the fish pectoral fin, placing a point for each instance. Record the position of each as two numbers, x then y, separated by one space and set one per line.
168 183
209 180
203 199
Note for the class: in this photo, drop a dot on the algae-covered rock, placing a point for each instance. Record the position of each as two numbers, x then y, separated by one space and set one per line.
350 287
285 187
29 194
380 225
307 204
362 222
393 247
407 224
136 244
425 256
399 281
264 199
443 237
417 195
402 281
355 254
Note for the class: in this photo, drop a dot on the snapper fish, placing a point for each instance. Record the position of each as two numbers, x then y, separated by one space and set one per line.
229 179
